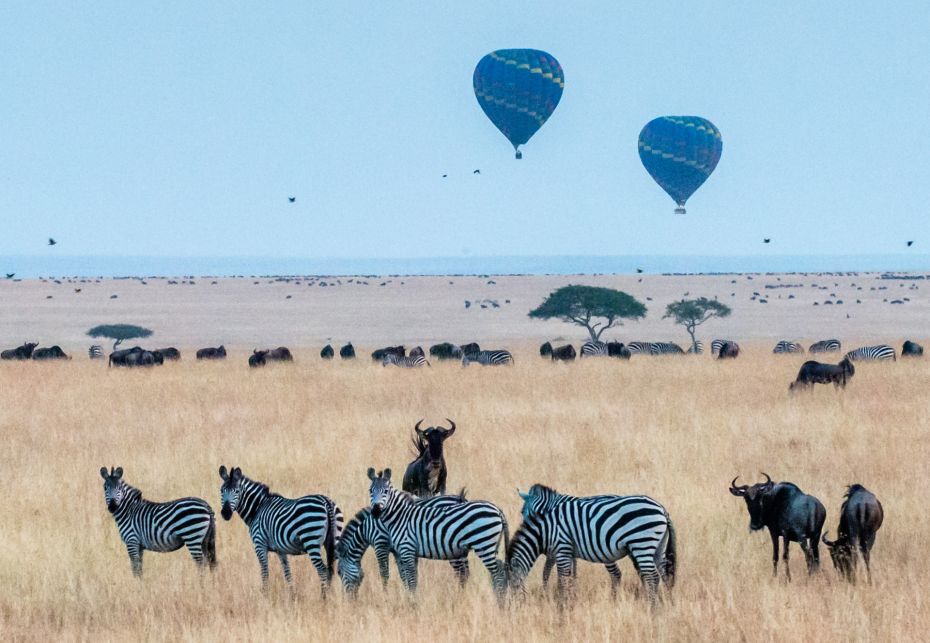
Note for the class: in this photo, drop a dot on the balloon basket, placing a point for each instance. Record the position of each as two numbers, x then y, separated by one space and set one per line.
519 155
680 211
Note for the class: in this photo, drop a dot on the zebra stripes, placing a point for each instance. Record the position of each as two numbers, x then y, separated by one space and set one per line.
419 530
95 352
488 358
784 347
825 346
881 352
665 348
410 361
717 344
697 348
159 526
282 525
600 529
643 348
594 349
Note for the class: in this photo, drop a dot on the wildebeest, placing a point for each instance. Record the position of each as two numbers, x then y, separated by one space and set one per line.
545 350
212 353
426 476
257 358
470 349
563 353
816 373
860 517
170 353
327 352
788 513
280 354
347 351
20 352
381 353
911 349
728 350
135 356
53 352
445 351
618 349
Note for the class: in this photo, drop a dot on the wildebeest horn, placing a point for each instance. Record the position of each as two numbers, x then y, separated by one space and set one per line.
825 541
737 491
416 427
768 480
451 427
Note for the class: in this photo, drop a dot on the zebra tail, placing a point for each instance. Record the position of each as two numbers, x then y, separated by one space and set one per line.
506 562
671 556
209 542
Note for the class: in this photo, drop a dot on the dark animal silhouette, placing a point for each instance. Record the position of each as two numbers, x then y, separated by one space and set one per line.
545 350
327 352
280 354
789 514
563 353
470 349
912 349
426 476
618 349
121 357
445 351
257 358
10 275
639 271
20 352
910 243
381 353
860 518
135 356
728 350
51 241
816 373
53 352
766 240
477 172
170 353
291 199
347 351
212 353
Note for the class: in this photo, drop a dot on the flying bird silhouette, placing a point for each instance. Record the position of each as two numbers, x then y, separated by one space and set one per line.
444 175
51 241
639 271
10 275
477 172
766 240
910 243
291 199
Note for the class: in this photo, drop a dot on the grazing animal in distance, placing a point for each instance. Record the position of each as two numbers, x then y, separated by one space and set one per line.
170 353
416 359
488 358
880 352
784 347
20 352
545 350
445 351
280 354
95 351
426 475
347 351
471 348
717 343
563 353
826 346
53 352
327 352
860 518
912 349
665 348
159 526
257 358
592 349
618 349
212 353
284 526
728 350
381 353
696 348
639 347
789 514
816 373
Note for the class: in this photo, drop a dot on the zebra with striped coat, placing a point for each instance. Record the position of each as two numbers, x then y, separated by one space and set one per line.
697 348
159 526
414 360
601 529
419 530
880 352
488 358
643 348
95 352
717 344
282 525
785 347
594 349
665 348
825 346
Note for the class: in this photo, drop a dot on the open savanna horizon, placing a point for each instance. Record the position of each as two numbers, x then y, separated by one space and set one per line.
676 428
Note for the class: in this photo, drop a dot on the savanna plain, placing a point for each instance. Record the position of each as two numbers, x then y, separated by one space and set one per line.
675 428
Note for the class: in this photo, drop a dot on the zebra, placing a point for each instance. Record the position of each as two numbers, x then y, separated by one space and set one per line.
697 348
785 346
594 349
159 526
95 352
410 361
880 352
600 529
488 358
717 344
283 525
665 348
825 346
640 347
419 530
364 531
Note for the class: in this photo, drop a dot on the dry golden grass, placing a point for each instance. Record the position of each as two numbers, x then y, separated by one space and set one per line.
677 429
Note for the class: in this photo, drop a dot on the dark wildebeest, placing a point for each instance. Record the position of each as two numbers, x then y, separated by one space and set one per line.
212 353
816 373
119 358
20 352
169 353
912 349
860 517
416 352
135 356
545 350
426 476
788 513
445 351
54 352
618 349
728 350
381 353
257 358
327 352
470 349
563 353
280 354
347 351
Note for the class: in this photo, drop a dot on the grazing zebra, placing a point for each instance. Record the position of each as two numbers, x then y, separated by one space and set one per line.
600 529
282 525
717 344
785 346
825 346
665 348
95 352
697 348
419 530
594 349
488 358
879 352
410 361
640 347
364 531
159 526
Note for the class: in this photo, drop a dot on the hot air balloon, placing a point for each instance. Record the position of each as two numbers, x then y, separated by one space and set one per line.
518 89
680 152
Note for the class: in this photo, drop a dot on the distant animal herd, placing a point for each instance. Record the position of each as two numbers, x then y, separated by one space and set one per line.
421 521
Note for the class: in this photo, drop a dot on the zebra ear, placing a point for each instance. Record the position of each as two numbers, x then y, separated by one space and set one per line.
236 473
371 473
119 472
524 496
223 473
387 474
103 472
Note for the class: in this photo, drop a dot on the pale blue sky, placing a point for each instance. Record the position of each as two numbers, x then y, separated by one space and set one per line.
181 128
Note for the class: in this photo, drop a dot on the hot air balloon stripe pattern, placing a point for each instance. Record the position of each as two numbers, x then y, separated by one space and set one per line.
518 90
680 152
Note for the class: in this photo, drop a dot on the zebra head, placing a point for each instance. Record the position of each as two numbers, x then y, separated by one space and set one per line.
539 499
527 544
230 490
349 552
114 489
381 490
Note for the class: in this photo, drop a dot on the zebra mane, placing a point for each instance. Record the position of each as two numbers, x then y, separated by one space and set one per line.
132 493
260 486
539 489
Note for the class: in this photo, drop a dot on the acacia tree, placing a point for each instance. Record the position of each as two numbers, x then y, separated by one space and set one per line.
597 309
691 313
119 332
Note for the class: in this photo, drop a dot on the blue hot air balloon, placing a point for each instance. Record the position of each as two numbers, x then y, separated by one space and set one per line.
680 152
518 89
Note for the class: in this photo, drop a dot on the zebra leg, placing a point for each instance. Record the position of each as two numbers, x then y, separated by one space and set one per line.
648 573
196 550
565 566
135 558
286 566
547 570
407 565
497 570
317 559
460 567
614 572
384 564
261 551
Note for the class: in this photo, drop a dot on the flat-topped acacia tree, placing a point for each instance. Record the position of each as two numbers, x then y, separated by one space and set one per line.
594 308
691 313
119 332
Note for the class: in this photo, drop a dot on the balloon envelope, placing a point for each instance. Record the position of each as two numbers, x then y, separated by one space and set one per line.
680 152
518 89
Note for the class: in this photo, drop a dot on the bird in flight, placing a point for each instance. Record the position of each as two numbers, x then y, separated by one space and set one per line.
10 275
910 243
291 199
639 271
766 240
77 290
444 175
51 241
477 172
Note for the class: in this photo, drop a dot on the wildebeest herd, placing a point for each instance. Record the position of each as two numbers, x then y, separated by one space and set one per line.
422 521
